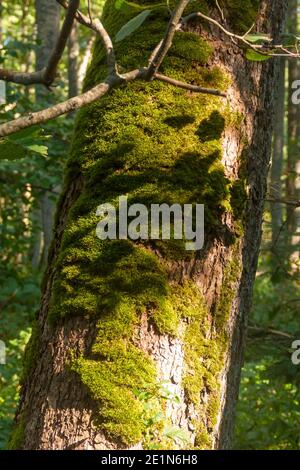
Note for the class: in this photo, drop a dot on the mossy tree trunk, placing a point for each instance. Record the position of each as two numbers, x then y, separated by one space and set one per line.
136 341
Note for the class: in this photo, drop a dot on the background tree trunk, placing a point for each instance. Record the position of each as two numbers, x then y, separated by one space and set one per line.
47 20
293 165
277 166
118 319
73 53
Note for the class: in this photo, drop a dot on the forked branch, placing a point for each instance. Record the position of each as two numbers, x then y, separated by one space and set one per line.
114 79
47 75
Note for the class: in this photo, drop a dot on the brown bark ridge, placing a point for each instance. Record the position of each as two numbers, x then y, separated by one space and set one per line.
66 402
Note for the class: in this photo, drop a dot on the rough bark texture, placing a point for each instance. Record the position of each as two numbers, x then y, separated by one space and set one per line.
187 314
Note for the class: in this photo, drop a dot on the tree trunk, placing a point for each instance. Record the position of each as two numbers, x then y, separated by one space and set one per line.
122 321
276 169
73 53
293 146
47 20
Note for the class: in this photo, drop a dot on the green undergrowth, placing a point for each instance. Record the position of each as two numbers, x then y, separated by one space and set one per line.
155 144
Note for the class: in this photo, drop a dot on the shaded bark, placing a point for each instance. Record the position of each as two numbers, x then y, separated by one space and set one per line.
293 149
277 164
57 411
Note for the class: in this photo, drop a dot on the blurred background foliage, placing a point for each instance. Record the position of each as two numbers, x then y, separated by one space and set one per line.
31 167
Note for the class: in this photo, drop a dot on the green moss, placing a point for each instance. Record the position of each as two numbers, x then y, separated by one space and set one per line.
205 344
228 291
189 45
31 351
111 382
155 144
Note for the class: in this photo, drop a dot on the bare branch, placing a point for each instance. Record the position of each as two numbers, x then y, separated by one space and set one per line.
187 86
284 201
113 79
268 331
90 10
51 69
98 27
47 75
267 50
69 105
162 49
22 78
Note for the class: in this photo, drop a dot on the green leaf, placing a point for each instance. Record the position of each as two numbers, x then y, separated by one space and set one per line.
41 149
132 25
256 56
257 38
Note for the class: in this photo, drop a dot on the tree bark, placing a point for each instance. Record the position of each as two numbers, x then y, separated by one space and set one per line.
73 54
47 20
277 167
293 149
120 320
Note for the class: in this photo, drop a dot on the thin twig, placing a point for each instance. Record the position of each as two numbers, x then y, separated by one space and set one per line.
112 81
47 75
164 46
22 78
284 201
69 105
55 58
90 10
187 86
270 331
262 49
97 26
